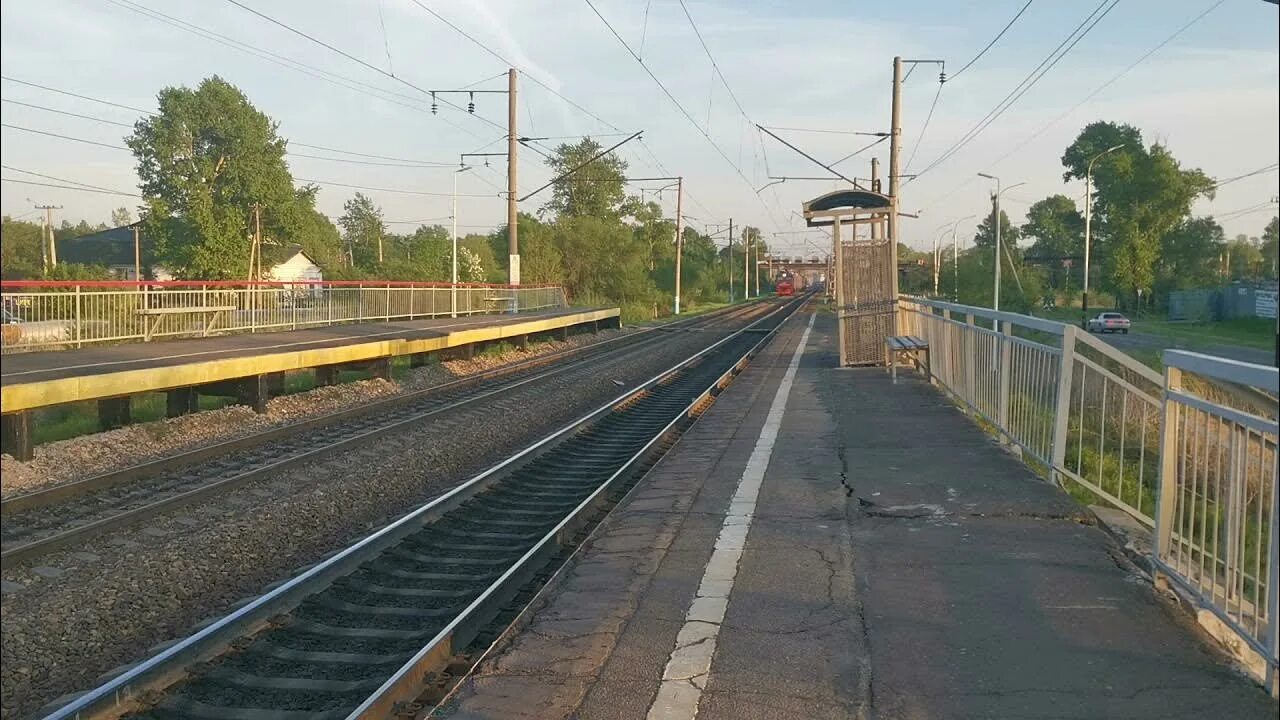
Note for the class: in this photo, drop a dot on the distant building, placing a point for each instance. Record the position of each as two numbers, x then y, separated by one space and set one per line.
114 250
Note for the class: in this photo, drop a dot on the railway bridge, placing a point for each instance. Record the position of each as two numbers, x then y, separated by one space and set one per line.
720 517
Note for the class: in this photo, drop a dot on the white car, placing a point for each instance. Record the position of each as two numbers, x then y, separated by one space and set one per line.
1109 322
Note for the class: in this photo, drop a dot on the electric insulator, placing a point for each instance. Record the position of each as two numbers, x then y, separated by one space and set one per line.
435 109
942 77
471 106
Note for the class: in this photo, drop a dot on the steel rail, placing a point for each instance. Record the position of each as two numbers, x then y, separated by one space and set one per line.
59 540
121 693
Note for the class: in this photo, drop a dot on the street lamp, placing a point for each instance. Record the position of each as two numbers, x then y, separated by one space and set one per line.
453 287
1088 219
996 221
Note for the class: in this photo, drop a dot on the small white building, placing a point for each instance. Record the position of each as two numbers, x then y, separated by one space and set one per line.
289 264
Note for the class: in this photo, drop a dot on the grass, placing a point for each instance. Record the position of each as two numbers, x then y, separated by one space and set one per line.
1249 332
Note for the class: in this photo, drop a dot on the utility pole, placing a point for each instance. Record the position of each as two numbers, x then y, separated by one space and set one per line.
730 261
679 236
895 159
995 219
255 246
137 255
1088 220
48 248
746 263
513 246
875 187
755 268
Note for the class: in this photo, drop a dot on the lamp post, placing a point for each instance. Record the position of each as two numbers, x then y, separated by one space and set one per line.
1088 220
453 286
995 304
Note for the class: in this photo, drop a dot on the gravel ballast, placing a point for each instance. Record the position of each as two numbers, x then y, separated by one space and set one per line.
76 458
108 601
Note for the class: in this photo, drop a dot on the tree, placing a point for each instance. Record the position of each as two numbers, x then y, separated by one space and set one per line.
1189 256
594 190
362 231
1271 248
299 222
1141 194
20 249
205 158
121 217
1058 231
1244 258
986 236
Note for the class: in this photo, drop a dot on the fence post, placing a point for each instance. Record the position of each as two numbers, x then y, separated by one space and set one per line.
79 318
970 392
1006 372
1062 402
1167 496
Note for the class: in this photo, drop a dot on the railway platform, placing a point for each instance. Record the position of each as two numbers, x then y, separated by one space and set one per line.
248 366
826 544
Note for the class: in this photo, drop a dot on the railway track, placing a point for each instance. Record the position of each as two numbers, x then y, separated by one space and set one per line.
39 523
362 634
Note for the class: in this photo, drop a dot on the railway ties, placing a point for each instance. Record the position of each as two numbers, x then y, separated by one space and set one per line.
34 526
438 585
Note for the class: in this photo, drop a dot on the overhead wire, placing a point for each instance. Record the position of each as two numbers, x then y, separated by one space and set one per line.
72 182
407 161
1252 173
678 105
66 187
284 61
991 44
353 58
1052 59
1094 93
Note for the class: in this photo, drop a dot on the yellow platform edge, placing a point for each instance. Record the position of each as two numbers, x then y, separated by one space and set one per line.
43 393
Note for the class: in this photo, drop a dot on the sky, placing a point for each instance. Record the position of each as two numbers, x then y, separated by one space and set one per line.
1211 94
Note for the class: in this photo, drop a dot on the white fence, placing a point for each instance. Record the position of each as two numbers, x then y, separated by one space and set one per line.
1178 456
45 316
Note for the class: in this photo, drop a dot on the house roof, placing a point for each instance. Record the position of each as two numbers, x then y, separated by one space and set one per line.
108 247
273 254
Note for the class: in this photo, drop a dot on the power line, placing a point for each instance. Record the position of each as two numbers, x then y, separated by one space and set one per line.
392 190
572 103
353 58
64 112
65 187
72 182
76 95
1145 56
149 113
680 107
1246 211
65 137
994 40
920 140
826 132
1259 171
1053 58
286 62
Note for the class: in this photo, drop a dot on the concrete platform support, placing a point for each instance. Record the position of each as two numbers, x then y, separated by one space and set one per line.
380 368
326 375
417 360
15 436
181 401
114 413
275 383
521 342
254 392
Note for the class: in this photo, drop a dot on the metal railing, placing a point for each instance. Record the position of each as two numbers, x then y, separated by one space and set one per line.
1216 531
42 315
1177 456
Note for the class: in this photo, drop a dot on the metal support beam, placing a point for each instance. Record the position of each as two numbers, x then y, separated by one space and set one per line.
181 401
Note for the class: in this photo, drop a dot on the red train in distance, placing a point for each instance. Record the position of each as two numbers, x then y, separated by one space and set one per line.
784 288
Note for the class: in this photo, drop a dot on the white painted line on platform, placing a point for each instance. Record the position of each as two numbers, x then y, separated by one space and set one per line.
685 676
